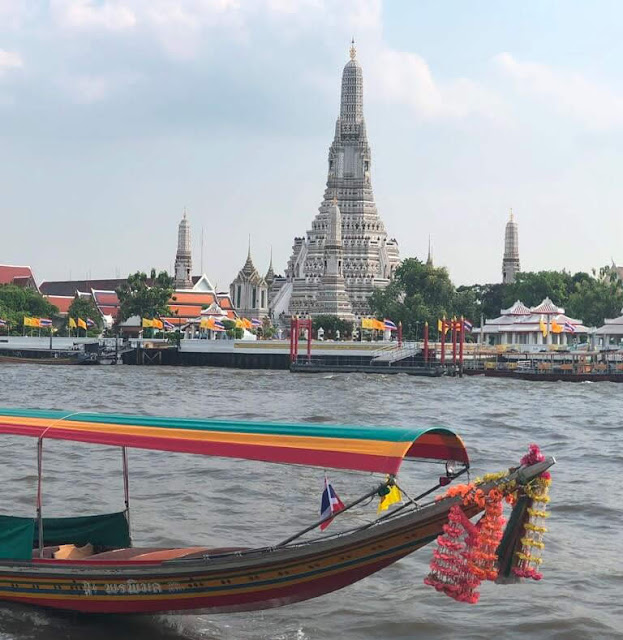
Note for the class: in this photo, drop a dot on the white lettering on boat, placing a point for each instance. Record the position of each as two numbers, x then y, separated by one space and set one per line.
88 588
131 587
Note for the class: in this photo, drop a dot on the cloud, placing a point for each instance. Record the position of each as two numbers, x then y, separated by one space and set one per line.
594 105
405 78
87 14
10 60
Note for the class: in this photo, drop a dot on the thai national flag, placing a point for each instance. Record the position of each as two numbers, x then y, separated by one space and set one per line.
256 323
468 326
219 325
90 323
45 322
167 325
329 504
568 327
390 326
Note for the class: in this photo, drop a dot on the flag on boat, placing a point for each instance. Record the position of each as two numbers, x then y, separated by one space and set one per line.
167 325
390 326
45 322
468 326
31 322
329 504
82 324
146 323
543 327
90 323
72 323
568 327
391 497
256 323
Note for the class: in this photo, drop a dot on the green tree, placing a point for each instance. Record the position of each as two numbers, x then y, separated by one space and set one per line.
331 325
232 330
419 293
84 308
532 287
145 297
596 298
17 302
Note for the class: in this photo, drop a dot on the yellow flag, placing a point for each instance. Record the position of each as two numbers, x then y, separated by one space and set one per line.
366 323
239 323
204 323
392 497
31 322
157 324
556 328
146 323
82 324
543 327
72 323
439 325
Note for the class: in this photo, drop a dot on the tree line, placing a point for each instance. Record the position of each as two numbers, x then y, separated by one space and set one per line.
422 293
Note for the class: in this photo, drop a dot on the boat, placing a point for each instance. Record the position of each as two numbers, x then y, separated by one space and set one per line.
88 563
44 356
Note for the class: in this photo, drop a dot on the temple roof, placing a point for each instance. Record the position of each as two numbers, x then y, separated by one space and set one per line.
249 273
518 309
547 306
20 276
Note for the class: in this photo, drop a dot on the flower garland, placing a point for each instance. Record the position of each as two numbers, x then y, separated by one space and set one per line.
449 569
467 554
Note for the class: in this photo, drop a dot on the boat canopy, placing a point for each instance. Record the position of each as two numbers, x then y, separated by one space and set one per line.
374 449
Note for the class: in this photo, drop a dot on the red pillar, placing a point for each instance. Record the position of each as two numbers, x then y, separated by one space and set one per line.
454 341
443 341
426 342
461 345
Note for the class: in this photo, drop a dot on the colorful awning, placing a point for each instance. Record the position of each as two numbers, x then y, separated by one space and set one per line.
375 449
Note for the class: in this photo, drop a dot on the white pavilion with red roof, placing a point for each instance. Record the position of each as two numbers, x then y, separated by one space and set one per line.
528 328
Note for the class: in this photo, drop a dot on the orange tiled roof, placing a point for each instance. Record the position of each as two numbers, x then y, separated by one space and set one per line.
192 297
185 310
224 302
8 273
62 302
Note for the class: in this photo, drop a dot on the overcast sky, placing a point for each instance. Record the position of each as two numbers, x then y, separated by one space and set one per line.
117 114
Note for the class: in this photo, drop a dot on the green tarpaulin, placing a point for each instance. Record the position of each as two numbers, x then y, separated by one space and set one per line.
18 536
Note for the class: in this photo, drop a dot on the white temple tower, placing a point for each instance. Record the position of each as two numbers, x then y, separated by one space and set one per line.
249 291
183 258
510 262
332 298
369 256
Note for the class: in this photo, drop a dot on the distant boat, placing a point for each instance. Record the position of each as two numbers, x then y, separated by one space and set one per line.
44 356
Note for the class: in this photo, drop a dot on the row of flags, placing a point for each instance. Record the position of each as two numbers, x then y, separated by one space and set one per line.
379 325
209 323
37 323
565 327
79 323
443 325
330 503
156 323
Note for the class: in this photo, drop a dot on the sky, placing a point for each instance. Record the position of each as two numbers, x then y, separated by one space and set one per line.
117 114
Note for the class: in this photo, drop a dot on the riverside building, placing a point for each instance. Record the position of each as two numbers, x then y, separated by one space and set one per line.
368 256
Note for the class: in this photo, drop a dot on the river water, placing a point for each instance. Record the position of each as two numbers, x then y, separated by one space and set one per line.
187 500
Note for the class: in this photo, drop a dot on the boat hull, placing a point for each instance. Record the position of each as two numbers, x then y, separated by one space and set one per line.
257 580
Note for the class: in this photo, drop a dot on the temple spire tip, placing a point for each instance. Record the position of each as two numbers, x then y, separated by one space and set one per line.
353 49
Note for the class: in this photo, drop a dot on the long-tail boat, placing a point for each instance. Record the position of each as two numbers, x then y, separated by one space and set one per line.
116 577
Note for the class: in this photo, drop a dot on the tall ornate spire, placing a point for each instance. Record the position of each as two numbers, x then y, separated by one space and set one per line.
183 258
510 262
270 274
429 259
369 255
353 49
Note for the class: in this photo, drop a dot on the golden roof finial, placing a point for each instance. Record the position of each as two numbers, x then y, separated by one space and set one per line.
512 216
353 50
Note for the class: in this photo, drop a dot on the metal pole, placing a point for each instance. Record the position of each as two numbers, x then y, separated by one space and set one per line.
309 339
126 489
333 515
426 342
461 346
39 495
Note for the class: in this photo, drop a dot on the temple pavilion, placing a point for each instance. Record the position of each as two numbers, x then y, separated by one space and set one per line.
524 327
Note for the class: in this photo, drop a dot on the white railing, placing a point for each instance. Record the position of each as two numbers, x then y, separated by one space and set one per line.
395 352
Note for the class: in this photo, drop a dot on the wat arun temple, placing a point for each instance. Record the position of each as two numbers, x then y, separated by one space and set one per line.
346 254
